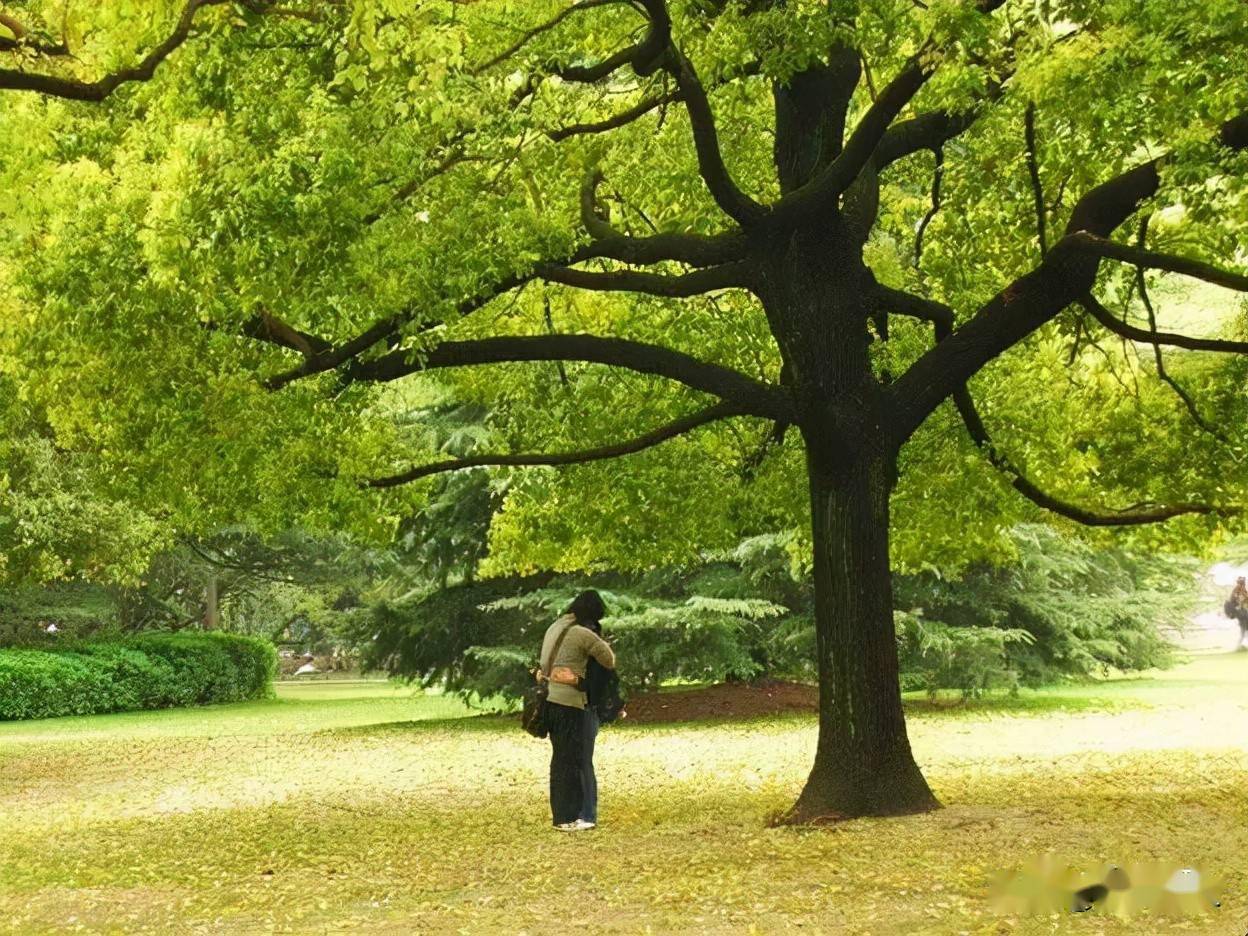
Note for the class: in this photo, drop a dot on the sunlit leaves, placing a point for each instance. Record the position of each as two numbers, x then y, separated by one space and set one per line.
361 163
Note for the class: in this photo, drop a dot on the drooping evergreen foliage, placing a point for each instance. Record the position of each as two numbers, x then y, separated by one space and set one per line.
1061 610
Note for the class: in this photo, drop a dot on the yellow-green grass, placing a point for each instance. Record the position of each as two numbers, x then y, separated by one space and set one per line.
370 808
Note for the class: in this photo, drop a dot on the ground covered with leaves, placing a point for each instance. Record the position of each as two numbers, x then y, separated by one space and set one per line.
362 807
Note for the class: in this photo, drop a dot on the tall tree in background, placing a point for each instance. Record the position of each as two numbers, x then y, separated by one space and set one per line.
378 202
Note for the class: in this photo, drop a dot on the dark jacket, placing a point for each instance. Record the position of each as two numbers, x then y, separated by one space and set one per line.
602 687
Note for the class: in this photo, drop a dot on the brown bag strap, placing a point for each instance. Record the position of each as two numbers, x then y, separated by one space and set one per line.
554 653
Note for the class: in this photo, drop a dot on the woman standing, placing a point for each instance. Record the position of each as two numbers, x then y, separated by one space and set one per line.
567 648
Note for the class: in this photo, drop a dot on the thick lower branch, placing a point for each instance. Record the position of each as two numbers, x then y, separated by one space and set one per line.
697 250
920 307
602 453
272 330
1066 274
697 283
752 397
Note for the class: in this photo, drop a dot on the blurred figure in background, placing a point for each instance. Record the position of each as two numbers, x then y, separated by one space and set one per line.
1236 607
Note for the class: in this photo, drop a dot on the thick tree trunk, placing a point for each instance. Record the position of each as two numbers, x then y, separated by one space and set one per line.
817 293
863 764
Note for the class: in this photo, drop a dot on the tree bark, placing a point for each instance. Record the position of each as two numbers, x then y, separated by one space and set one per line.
863 763
818 296
212 612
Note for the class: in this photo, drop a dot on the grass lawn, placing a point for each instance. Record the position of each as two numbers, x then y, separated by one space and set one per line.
353 806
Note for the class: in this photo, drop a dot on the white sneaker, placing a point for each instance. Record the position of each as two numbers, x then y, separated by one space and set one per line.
585 824
569 826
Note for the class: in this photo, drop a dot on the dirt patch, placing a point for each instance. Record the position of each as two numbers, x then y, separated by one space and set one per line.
727 700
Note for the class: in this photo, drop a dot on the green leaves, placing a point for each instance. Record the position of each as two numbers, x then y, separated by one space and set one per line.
336 170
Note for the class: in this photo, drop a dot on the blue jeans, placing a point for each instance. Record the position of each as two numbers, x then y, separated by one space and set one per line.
589 783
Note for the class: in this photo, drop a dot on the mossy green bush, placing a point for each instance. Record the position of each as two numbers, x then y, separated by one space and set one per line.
146 671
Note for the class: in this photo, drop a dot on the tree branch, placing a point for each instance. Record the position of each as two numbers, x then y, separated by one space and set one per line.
751 396
735 203
1147 336
1127 517
456 157
877 139
622 119
1189 403
268 328
638 110
829 184
1065 275
925 132
595 220
721 253
698 250
697 283
644 57
22 41
650 439
1103 247
941 316
536 31
905 303
73 89
1033 169
385 328
937 175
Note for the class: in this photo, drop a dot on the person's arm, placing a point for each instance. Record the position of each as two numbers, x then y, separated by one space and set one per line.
601 651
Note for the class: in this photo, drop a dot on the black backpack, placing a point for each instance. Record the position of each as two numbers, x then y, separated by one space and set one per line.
602 690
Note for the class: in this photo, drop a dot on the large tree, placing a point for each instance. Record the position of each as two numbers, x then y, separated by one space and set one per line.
742 192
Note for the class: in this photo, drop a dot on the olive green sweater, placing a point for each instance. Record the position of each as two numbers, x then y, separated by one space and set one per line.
580 644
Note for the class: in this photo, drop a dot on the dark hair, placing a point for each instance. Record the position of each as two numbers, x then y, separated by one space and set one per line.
587 607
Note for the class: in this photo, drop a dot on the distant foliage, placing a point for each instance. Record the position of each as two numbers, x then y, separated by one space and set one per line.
1062 609
694 639
974 660
447 638
76 609
143 672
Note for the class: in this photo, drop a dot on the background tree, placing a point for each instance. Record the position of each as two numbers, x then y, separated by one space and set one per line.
1062 610
381 192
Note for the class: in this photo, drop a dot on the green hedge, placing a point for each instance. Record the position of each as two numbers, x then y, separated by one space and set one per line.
146 671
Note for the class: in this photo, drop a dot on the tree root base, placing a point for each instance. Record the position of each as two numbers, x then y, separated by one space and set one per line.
823 814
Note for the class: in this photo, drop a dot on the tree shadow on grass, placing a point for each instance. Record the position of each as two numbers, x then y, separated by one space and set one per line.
922 707
1039 704
484 722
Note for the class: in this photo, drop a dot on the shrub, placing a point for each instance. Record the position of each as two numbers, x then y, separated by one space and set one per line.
38 684
138 681
147 671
